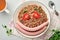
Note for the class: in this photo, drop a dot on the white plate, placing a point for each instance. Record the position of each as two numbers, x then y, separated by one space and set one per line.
15 17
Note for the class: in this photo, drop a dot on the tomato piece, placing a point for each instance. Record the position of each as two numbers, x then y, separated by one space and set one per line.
36 15
26 17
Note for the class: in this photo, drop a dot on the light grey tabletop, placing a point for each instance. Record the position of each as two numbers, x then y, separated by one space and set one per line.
5 18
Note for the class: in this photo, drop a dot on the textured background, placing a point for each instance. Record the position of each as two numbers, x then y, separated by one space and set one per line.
5 18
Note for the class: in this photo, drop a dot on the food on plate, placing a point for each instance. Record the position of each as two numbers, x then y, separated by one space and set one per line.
31 33
32 16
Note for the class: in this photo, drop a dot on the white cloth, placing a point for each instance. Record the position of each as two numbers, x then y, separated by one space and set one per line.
54 24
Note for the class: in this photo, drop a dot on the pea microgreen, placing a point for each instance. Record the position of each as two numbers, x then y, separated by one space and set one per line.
56 35
8 31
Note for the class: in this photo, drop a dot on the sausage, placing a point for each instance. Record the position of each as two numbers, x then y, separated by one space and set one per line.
33 29
30 33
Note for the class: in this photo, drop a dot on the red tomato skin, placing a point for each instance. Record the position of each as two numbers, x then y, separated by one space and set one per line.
36 15
26 17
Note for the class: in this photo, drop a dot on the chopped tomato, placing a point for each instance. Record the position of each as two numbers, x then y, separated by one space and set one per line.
36 15
26 17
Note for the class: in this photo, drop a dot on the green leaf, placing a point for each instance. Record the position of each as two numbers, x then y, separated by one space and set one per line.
53 30
56 35
25 10
35 8
8 31
4 26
